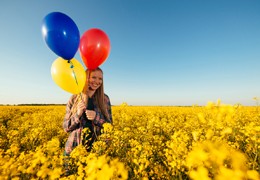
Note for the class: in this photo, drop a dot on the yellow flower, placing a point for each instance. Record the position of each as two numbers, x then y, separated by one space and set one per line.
200 174
252 174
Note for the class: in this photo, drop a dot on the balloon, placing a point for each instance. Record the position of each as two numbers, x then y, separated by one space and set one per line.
70 76
61 34
94 47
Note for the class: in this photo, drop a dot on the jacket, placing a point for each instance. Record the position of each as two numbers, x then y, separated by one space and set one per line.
74 124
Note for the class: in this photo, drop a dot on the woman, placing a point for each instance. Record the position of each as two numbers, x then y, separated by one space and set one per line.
90 109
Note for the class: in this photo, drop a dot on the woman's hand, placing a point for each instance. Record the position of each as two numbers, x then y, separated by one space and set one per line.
80 108
90 114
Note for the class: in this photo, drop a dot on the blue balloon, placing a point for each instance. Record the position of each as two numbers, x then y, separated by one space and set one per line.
61 34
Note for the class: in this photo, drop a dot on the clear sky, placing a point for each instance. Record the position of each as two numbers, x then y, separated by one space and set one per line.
163 52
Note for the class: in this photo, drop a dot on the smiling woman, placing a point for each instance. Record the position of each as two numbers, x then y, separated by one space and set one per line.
91 109
88 110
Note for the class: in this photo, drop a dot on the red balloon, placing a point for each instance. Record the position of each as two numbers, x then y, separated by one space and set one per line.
94 48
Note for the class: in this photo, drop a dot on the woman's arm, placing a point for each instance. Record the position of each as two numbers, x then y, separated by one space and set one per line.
70 121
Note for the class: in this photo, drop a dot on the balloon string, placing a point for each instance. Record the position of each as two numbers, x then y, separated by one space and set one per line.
72 66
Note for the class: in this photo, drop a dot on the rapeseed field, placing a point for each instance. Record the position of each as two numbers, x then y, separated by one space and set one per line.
216 141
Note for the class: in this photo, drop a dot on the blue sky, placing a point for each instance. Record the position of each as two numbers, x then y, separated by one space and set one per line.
169 52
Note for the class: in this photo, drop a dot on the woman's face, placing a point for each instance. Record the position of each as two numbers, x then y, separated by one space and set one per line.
95 80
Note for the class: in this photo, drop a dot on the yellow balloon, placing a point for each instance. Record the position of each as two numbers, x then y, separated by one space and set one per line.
71 77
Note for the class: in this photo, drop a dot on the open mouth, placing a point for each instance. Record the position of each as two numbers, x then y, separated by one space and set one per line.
95 85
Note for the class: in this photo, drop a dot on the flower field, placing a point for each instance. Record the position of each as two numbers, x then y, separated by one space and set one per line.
216 141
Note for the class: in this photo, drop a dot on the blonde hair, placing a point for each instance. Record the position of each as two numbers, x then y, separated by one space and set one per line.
98 97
